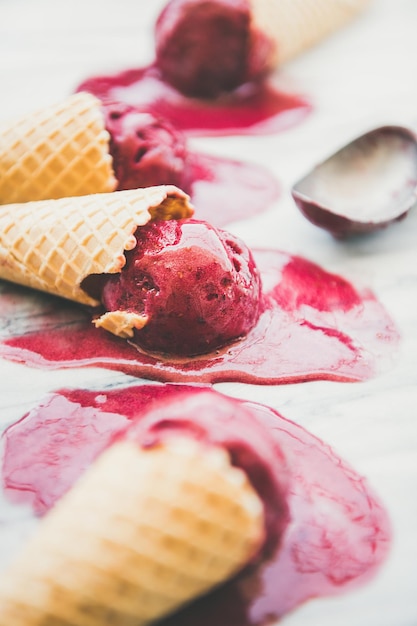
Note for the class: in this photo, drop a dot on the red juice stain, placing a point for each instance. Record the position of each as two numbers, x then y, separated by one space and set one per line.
254 108
338 534
314 325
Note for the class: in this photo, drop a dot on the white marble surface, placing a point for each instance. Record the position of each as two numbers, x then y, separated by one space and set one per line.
359 78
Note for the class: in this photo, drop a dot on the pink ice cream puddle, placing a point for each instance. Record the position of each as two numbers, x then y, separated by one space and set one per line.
209 76
197 285
253 109
337 533
313 325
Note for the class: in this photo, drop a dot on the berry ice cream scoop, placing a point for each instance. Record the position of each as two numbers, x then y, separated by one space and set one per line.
53 245
207 47
187 288
171 284
82 146
145 150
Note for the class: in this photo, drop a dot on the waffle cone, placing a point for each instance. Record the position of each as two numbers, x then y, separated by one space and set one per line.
59 151
295 25
53 245
143 532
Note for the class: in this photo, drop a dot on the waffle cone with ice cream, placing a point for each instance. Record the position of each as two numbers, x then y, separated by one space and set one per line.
159 518
81 146
202 59
143 532
61 150
53 245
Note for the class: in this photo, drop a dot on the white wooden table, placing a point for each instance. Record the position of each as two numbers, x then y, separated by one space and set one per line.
359 78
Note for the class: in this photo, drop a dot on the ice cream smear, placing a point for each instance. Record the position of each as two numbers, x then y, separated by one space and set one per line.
187 288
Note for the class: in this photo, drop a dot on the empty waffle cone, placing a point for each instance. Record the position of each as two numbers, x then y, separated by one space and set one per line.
53 245
59 151
143 532
295 25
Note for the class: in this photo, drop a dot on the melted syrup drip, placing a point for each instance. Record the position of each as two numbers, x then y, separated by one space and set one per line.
314 326
338 533
256 108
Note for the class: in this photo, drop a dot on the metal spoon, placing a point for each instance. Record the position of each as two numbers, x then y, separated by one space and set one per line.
368 184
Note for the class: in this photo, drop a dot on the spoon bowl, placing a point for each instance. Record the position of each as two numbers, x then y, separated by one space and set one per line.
364 186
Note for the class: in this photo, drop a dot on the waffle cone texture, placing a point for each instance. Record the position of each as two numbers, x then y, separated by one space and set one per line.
53 245
295 25
143 532
61 150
